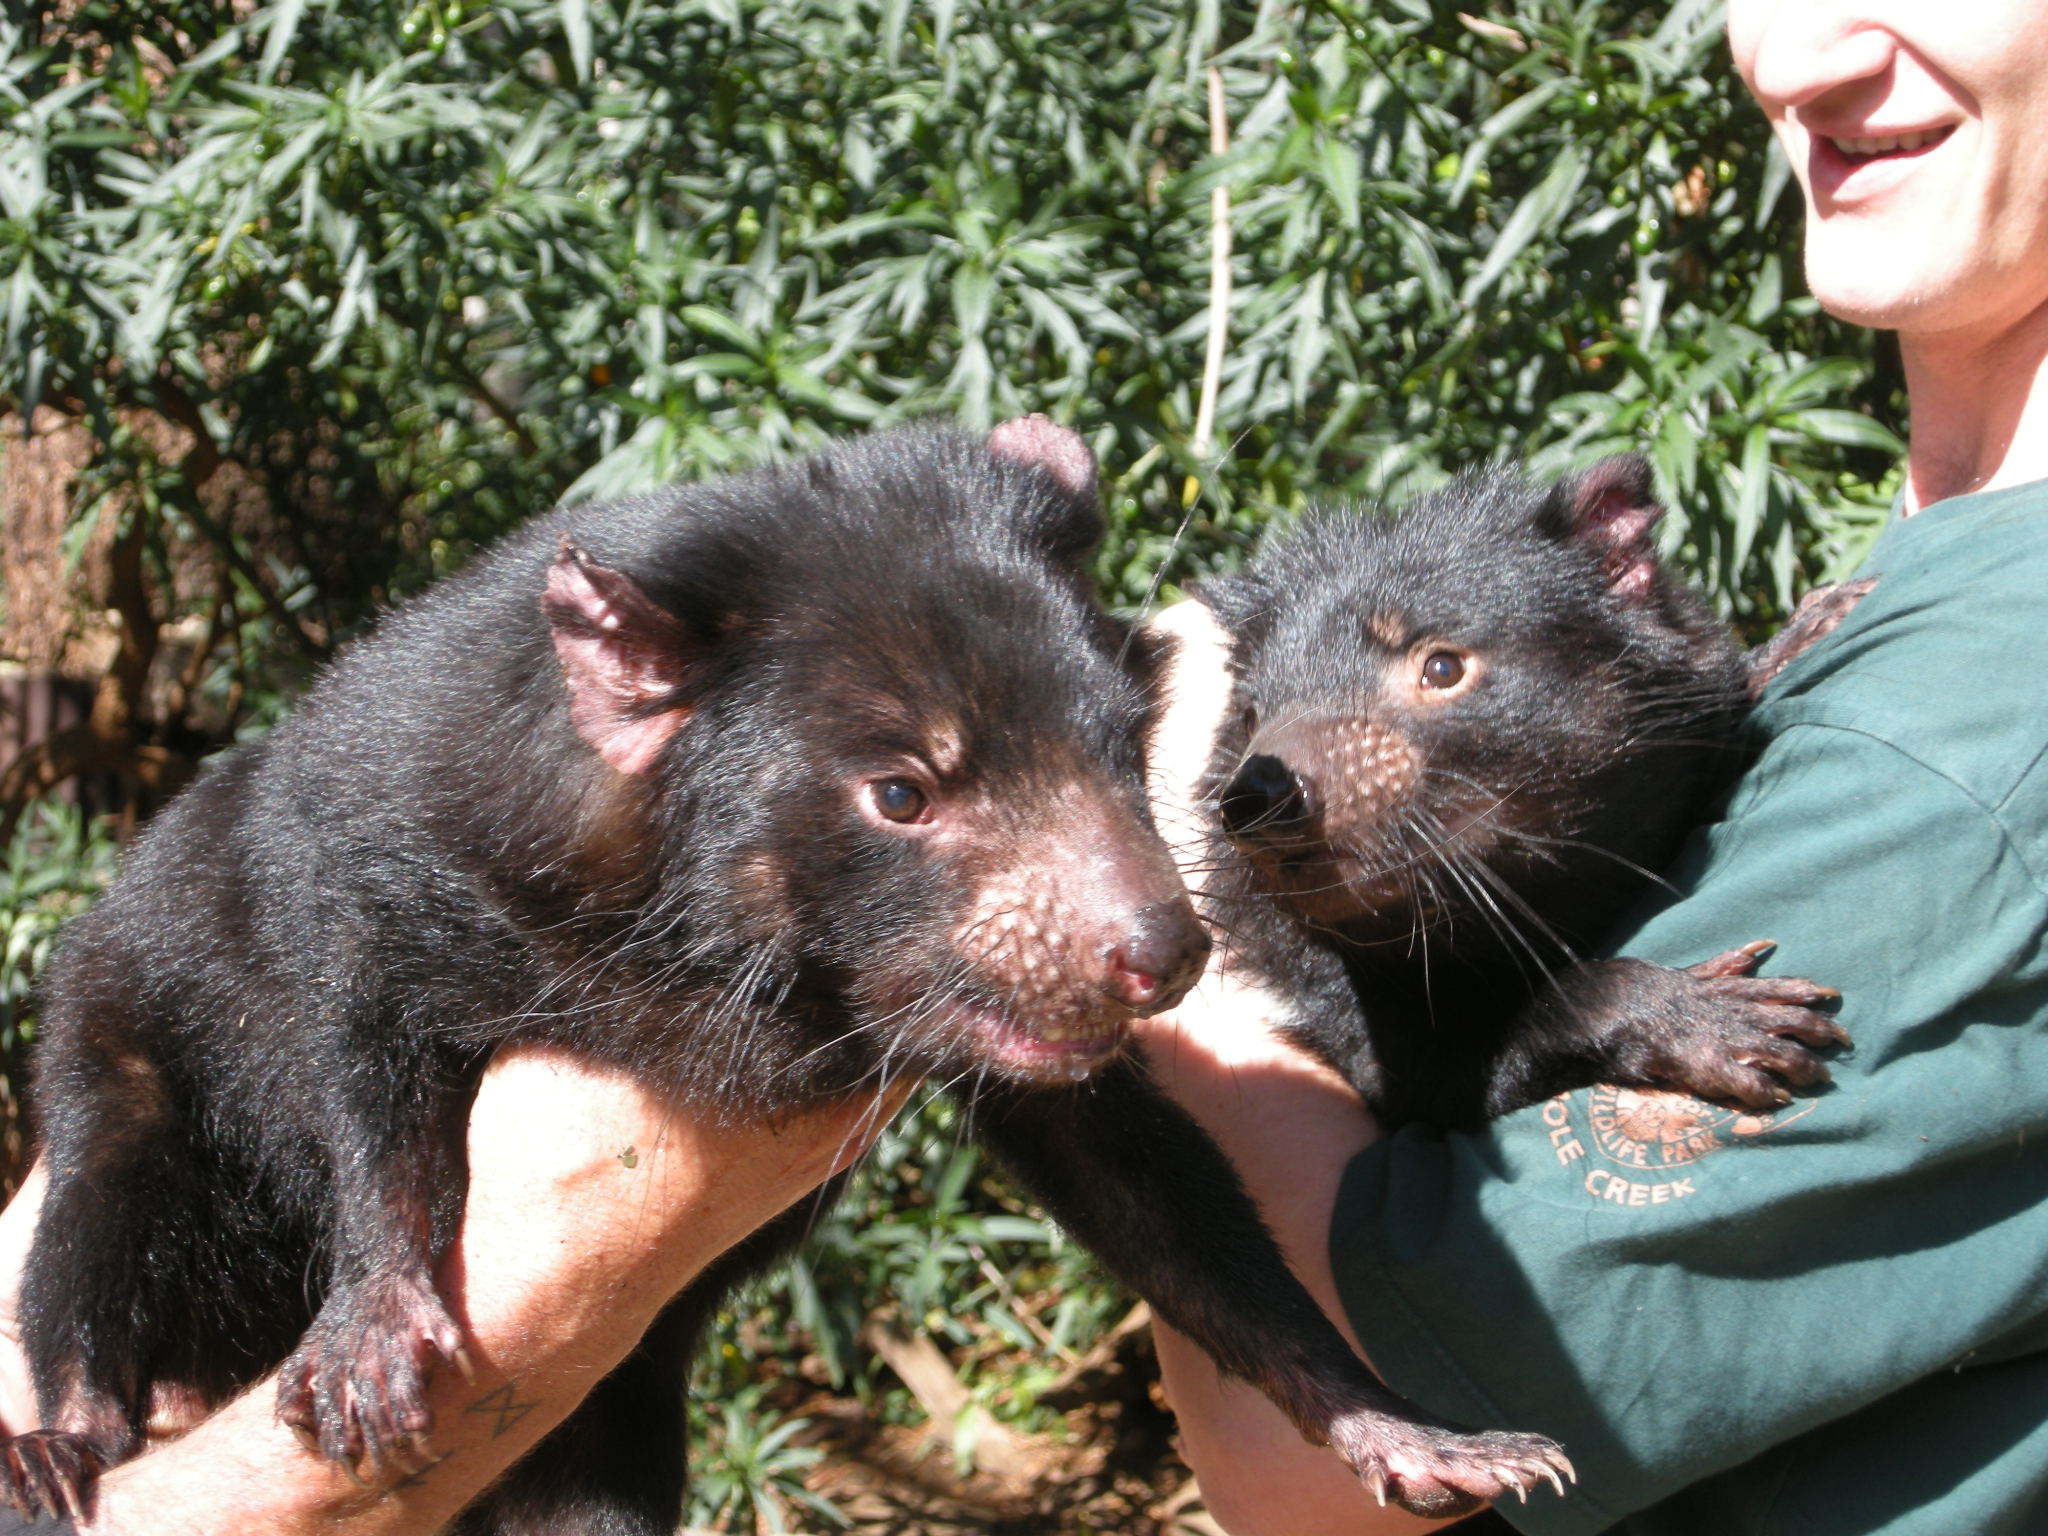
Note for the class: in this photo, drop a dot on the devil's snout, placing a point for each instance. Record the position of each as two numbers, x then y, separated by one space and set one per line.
1162 956
1267 796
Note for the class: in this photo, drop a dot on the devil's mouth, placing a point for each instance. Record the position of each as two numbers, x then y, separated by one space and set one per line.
1070 1048
1341 886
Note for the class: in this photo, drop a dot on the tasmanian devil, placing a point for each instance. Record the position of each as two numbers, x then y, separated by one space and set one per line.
762 789
1464 738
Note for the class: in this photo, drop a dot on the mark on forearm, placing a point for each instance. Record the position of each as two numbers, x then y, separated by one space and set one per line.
418 1477
502 1403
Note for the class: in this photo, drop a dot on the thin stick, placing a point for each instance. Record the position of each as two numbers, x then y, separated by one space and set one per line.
1219 289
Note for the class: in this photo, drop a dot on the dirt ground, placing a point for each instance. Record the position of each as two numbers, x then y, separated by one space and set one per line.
1111 1470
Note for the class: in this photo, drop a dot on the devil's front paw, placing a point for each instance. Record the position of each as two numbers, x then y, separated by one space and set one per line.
1439 1472
1744 1040
355 1388
46 1472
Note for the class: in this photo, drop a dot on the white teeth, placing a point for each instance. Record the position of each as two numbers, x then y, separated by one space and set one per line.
1889 143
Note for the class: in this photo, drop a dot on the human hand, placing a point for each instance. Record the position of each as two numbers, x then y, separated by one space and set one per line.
593 1201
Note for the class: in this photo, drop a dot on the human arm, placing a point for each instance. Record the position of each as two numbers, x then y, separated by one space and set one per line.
1286 1121
1290 1125
592 1202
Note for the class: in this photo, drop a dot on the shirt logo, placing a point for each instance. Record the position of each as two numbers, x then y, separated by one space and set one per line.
1643 1146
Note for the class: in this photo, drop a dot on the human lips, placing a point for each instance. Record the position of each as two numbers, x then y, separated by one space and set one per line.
1851 167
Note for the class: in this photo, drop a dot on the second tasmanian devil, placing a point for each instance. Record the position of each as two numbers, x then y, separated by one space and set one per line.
764 789
1463 738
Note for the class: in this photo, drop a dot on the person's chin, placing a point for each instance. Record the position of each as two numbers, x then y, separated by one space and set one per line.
1864 281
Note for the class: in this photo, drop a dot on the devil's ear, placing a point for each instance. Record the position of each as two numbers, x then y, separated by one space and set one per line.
1242 604
1070 525
1612 510
625 659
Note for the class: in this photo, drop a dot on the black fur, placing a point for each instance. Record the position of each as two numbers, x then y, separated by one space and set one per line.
1469 734
649 781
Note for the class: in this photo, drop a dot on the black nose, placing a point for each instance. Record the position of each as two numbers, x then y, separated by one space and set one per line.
1159 959
1266 796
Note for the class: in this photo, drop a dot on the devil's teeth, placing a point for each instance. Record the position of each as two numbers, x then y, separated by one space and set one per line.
1888 143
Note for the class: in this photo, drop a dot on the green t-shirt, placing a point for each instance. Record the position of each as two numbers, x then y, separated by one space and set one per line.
1833 1319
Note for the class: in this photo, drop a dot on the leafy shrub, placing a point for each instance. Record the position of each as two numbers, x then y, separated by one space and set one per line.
420 268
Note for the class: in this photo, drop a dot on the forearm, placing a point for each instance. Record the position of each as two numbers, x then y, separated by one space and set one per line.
1290 1125
590 1206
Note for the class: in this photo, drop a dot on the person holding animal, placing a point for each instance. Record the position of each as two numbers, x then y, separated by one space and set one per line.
769 793
1834 1318
1299 1171
766 794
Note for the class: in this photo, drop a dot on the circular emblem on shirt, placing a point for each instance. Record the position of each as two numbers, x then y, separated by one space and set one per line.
1643 1146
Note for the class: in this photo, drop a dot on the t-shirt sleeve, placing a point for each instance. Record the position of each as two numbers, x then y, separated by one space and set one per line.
1672 1290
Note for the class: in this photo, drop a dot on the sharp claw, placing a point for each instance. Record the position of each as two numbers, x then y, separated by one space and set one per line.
1555 1481
71 1499
1376 1484
1513 1478
464 1364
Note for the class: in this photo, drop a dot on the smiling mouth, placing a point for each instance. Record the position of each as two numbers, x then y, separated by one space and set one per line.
1852 169
1890 143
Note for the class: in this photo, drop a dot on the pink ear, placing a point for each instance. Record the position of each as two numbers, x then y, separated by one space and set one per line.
1613 508
621 653
1057 450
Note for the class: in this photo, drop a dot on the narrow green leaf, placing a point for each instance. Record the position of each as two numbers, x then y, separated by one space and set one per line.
1768 296
1532 217
716 323
284 25
895 18
973 288
1846 429
576 27
1472 158
1340 176
1753 492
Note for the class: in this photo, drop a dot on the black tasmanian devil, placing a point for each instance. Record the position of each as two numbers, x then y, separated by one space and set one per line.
1463 738
764 789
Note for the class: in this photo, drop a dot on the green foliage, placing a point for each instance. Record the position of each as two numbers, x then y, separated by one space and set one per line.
423 267
55 866
927 1239
748 1476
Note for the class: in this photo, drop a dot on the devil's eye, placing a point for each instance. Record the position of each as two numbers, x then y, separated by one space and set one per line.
900 800
1443 669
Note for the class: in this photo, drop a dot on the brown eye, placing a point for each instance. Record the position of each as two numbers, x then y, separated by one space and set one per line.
1443 669
900 800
